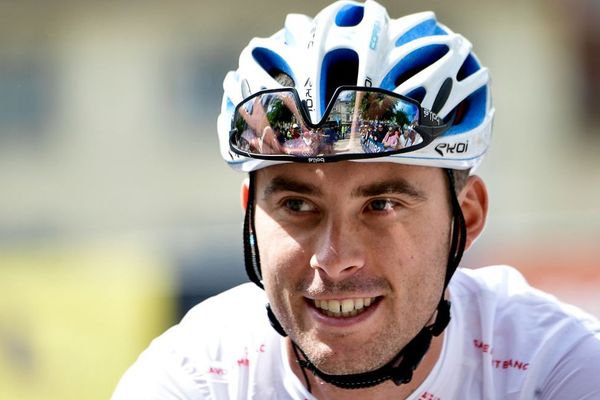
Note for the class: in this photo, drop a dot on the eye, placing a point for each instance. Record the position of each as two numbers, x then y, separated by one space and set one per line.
298 205
382 205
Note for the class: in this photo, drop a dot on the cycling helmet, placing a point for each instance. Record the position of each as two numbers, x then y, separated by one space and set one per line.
350 43
356 44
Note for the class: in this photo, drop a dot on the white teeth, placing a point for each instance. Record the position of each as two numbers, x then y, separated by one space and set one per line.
359 303
347 305
344 307
334 306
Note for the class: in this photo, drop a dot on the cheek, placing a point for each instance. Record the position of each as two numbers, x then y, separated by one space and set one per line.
420 249
280 254
436 245
283 265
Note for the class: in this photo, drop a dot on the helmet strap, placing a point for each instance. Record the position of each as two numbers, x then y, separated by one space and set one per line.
251 255
400 369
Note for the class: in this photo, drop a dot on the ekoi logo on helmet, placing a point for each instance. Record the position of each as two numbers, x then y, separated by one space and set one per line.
452 148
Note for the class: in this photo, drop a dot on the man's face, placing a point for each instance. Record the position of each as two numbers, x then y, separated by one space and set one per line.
366 240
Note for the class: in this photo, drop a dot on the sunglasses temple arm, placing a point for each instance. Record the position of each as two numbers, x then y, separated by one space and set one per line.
435 130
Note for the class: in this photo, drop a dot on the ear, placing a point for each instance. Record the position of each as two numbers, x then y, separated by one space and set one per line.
473 200
244 193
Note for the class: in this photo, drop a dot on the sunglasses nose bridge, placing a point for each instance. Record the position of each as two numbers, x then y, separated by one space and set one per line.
307 111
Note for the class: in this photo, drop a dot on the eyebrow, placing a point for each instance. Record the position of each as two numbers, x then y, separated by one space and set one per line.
283 184
390 186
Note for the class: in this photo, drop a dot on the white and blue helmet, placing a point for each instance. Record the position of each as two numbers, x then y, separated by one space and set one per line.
351 43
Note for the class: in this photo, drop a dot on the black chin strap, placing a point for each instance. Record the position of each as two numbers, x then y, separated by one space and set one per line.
400 369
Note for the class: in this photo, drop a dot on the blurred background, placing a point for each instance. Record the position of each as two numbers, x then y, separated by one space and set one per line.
117 213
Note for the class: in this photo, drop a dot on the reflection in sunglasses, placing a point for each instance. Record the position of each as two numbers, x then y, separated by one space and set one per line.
357 121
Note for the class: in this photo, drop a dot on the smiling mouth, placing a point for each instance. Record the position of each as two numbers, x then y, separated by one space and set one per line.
344 308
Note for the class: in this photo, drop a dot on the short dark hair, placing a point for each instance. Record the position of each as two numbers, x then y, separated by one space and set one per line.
460 179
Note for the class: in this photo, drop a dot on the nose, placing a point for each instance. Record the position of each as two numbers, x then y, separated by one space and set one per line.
338 251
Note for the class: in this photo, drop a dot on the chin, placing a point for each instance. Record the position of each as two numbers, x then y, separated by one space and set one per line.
340 361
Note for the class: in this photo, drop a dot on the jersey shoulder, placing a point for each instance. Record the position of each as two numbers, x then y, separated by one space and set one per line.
237 306
518 338
209 351
506 290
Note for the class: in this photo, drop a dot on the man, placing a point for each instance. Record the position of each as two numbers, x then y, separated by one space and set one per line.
358 260
380 133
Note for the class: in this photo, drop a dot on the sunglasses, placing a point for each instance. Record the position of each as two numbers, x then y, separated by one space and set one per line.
359 122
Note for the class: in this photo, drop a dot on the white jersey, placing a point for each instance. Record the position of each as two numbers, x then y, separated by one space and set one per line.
505 340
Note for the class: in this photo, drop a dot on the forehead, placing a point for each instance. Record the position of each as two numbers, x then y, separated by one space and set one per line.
346 176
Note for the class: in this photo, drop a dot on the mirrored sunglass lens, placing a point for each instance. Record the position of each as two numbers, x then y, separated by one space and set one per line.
374 122
359 122
263 123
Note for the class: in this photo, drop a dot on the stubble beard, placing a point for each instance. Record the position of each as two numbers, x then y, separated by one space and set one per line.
350 359
342 355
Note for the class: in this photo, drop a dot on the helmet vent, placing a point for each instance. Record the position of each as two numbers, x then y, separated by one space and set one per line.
349 15
426 28
272 63
469 113
412 64
417 94
469 67
340 67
